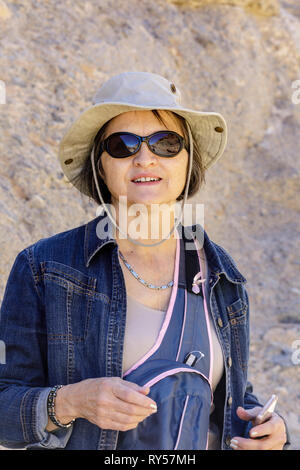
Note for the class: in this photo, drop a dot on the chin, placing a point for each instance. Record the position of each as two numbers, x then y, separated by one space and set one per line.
148 201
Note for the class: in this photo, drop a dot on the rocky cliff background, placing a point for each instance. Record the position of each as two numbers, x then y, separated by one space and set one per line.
238 57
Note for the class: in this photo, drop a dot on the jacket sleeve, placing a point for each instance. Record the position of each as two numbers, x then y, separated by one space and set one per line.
250 400
23 373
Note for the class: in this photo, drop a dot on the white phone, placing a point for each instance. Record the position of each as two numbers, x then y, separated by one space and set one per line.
267 410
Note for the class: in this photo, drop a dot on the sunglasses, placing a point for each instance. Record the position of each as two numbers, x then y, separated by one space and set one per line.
126 144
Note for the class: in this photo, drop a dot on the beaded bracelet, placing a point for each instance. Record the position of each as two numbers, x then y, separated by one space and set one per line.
51 406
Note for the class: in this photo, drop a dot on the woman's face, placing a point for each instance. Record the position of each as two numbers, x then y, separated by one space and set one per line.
119 172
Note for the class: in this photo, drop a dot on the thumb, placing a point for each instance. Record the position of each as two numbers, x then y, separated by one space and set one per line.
248 415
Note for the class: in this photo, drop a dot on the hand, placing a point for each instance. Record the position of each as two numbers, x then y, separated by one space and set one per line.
273 430
108 402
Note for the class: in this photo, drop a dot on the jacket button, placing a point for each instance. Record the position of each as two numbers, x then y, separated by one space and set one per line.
173 88
220 323
229 361
228 440
219 129
229 401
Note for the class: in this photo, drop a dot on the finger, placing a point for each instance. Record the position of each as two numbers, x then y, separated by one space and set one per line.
275 425
131 409
117 422
124 420
264 429
270 442
278 447
145 390
129 393
136 387
109 417
274 430
241 443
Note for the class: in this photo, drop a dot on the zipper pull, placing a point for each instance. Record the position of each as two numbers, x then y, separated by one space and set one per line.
196 282
192 359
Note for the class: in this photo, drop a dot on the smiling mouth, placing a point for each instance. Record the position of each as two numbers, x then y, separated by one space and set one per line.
146 181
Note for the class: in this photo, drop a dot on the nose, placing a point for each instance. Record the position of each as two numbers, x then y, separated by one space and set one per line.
144 157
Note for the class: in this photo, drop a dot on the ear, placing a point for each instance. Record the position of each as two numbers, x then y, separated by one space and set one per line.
100 170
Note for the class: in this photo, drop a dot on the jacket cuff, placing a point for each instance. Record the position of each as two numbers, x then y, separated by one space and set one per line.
288 437
37 434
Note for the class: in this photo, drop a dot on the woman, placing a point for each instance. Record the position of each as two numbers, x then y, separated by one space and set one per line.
84 311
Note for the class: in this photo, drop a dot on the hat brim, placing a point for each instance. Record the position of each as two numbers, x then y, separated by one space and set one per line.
77 143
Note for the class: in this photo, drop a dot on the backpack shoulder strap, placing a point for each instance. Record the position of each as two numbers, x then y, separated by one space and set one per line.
192 266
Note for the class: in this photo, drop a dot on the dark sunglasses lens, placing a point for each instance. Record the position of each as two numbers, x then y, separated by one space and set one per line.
165 144
122 145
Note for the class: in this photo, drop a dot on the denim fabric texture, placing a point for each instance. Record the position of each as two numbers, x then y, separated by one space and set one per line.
63 320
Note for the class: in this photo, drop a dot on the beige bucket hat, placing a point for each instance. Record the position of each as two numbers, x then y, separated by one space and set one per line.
131 91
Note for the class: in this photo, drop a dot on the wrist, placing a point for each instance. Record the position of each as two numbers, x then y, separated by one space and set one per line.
60 410
64 405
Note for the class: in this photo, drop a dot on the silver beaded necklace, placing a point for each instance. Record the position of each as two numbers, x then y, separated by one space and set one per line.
142 281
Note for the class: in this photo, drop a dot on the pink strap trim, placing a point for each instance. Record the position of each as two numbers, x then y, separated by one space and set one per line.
163 375
167 317
181 422
206 316
183 325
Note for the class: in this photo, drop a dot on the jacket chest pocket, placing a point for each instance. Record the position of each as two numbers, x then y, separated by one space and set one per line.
237 313
70 299
238 321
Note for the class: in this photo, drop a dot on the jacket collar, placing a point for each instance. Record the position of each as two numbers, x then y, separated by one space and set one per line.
100 232
220 262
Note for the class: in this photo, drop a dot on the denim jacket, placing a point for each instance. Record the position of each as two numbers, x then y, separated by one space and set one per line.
63 320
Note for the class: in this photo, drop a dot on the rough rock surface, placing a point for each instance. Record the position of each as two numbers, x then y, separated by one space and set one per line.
261 7
237 57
